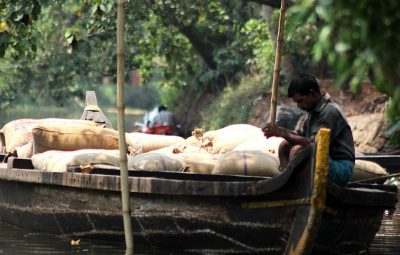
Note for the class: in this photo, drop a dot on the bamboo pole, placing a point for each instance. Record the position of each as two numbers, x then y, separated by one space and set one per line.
275 79
121 127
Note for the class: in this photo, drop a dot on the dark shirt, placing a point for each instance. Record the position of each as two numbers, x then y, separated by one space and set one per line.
328 114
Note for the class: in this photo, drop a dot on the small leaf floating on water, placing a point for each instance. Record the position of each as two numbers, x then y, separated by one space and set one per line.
86 168
75 242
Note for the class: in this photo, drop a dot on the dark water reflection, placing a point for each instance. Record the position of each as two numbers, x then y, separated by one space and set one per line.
387 240
20 241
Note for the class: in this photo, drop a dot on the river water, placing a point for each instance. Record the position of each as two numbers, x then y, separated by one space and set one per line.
387 240
20 241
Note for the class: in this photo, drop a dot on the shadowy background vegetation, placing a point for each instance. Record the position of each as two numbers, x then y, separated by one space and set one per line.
206 60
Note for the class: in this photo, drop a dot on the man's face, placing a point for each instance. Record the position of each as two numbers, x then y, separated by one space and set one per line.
305 102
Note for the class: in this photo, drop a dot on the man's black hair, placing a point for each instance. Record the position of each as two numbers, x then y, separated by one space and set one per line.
303 85
162 108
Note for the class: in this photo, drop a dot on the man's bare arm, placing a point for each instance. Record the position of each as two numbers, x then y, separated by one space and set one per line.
292 137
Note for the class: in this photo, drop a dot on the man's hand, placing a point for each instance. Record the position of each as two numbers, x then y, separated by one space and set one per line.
273 130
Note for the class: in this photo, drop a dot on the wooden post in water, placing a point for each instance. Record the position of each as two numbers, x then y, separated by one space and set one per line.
275 79
121 127
303 242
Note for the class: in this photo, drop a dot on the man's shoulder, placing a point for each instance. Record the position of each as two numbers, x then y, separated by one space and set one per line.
332 107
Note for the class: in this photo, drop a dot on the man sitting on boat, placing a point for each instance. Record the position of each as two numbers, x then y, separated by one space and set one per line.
322 112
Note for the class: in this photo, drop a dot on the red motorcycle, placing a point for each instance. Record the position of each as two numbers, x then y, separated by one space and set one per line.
157 129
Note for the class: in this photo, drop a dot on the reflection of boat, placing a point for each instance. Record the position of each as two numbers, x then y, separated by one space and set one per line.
212 213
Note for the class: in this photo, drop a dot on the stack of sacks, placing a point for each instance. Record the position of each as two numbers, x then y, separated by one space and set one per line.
86 160
170 153
202 163
163 159
255 163
178 158
18 133
270 146
73 137
225 139
153 142
236 149
153 161
200 139
196 159
364 170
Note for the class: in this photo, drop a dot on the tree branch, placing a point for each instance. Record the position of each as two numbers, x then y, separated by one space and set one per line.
273 3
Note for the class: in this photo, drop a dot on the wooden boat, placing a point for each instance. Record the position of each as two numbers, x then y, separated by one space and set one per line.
297 212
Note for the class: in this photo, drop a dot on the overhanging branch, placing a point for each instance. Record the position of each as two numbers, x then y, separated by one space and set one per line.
272 3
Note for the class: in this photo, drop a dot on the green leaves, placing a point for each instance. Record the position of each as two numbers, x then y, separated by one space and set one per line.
359 39
18 17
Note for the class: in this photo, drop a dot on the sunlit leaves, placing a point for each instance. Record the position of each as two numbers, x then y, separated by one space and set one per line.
16 19
257 38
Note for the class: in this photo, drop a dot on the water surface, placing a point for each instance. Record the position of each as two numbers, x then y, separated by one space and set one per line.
387 240
19 241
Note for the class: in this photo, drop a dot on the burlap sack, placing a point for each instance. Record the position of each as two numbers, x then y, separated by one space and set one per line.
227 138
151 161
247 163
73 137
179 148
18 132
364 169
153 142
59 161
246 128
25 151
270 145
224 139
192 140
200 139
202 163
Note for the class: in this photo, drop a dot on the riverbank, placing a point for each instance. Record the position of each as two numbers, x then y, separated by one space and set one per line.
71 111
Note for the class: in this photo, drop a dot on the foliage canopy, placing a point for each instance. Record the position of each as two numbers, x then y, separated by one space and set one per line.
192 50
359 39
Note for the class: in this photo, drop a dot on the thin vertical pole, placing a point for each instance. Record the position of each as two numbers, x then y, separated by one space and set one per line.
121 127
275 80
305 241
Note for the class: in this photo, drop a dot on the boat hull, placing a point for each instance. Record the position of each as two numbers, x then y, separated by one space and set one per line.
190 223
193 212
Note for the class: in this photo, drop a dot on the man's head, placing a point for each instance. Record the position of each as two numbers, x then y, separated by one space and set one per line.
305 92
162 108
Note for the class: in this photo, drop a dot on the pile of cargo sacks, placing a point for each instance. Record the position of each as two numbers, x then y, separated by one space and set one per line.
238 149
